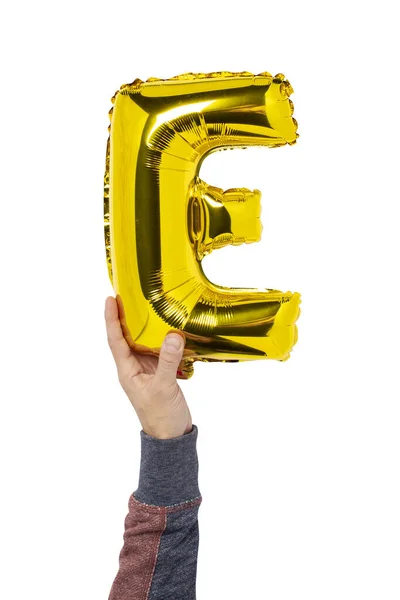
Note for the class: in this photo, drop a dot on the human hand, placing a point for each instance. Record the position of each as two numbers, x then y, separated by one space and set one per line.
150 381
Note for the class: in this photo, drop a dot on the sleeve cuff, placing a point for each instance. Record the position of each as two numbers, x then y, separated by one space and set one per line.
168 470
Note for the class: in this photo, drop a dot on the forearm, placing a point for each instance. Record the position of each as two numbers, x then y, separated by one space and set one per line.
158 560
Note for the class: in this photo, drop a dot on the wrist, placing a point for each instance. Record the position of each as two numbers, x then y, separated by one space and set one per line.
166 435
167 431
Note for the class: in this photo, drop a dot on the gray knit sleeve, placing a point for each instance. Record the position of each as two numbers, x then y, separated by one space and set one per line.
158 560
168 470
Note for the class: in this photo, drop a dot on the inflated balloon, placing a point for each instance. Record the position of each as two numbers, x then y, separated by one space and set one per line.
161 219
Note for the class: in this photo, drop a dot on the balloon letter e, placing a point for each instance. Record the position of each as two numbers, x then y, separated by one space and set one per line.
161 219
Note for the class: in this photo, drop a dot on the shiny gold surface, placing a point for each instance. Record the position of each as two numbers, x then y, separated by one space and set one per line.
161 219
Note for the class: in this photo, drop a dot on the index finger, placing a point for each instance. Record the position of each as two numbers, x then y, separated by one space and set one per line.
119 347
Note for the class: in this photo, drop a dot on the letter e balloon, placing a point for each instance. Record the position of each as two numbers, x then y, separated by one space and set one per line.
161 219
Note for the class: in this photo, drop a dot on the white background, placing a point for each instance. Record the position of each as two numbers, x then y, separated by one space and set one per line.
299 461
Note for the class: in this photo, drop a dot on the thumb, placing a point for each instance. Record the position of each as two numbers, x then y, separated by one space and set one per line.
170 356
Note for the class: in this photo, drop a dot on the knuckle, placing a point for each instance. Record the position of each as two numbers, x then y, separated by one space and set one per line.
157 387
161 387
123 380
124 377
169 358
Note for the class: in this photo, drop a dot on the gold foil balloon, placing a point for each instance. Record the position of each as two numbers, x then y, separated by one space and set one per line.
161 219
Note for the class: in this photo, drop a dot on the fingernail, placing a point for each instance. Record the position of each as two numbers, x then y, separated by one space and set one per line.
173 342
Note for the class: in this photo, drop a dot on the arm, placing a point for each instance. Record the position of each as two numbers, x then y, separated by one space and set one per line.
159 556
158 560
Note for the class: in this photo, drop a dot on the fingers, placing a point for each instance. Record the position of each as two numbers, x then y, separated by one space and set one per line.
125 361
170 356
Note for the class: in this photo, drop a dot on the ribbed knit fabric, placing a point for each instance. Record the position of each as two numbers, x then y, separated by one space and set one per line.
158 560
